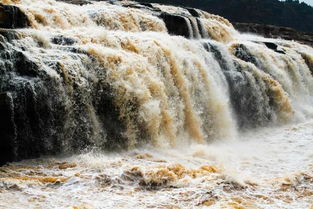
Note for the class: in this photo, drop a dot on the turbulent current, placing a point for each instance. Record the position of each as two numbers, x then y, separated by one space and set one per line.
150 106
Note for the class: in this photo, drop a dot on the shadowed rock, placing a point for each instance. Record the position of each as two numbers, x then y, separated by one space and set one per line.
7 130
42 115
61 40
77 2
274 47
177 25
242 52
193 12
271 31
251 109
12 17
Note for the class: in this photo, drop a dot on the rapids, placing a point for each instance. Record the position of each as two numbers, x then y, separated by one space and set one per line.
267 169
153 106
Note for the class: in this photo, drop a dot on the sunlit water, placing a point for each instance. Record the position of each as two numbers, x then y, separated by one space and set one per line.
269 168
190 98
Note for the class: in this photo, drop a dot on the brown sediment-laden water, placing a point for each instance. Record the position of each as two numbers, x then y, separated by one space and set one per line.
127 105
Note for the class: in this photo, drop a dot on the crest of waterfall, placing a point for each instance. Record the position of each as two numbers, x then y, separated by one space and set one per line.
122 74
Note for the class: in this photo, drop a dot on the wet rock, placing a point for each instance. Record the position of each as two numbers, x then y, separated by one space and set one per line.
147 4
8 129
271 31
84 2
202 30
12 17
242 52
252 108
26 111
271 45
193 12
274 47
8 35
44 114
109 116
137 5
251 105
24 66
77 2
177 25
61 40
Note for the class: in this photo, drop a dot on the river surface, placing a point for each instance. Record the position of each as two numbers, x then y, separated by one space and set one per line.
269 168
192 113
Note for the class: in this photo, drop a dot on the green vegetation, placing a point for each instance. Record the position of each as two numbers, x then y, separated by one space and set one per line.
289 13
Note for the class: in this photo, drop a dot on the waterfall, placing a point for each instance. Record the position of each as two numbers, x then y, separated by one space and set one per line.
119 75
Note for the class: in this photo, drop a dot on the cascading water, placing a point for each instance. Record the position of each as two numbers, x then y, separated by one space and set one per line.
124 75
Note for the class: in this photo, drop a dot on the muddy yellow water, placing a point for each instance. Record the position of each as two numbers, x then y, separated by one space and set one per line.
268 168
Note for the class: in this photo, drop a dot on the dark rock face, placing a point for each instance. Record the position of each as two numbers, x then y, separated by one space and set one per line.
193 12
61 40
44 115
177 25
12 17
77 2
274 47
271 31
181 24
189 26
290 13
250 103
8 129
243 53
26 111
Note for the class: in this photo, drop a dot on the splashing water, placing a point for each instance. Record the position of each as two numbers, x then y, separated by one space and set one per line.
265 169
201 115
